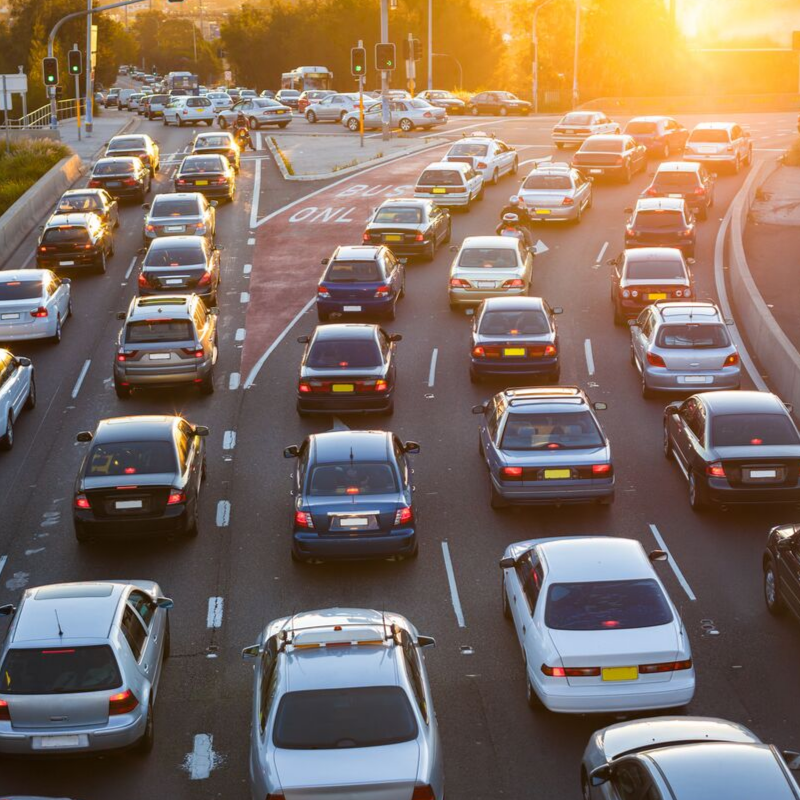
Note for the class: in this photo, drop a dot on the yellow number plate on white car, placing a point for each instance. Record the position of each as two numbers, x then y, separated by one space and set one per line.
620 673
542 210
437 190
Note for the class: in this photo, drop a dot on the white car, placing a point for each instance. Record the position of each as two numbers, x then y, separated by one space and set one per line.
449 184
724 143
33 304
189 110
597 629
17 391
485 154
577 126
222 100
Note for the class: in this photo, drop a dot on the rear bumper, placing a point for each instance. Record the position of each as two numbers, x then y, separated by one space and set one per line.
207 191
350 404
471 297
311 546
557 214
162 377
84 259
368 306
663 380
26 332
405 248
497 366
709 158
125 192
719 492
555 492
568 138
173 520
445 200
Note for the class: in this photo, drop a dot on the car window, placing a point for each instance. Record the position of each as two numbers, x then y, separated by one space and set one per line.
352 271
402 461
197 164
66 235
112 459
469 149
183 255
80 203
545 182
632 782
398 215
653 270
690 413
488 258
745 430
635 126
166 206
552 430
351 478
184 446
709 136
441 177
113 167
676 181
530 575
143 605
521 322
134 632
268 685
414 667
692 335
20 290
646 322
353 353
602 144
147 331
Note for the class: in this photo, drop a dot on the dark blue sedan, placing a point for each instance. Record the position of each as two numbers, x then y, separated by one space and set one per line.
353 497
515 336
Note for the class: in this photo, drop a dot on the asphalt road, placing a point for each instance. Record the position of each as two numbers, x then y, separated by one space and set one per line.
494 745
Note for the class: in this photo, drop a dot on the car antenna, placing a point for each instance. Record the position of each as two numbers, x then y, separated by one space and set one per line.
58 622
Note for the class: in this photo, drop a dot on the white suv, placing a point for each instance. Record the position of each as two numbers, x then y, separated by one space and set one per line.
17 391
715 142
189 110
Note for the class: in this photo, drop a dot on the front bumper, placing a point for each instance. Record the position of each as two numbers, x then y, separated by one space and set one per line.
399 542
344 404
554 492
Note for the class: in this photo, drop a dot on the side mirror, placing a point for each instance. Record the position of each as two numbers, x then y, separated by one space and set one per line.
558 310
792 759
785 543
146 206
84 436
325 262
200 430
507 563
628 210
213 203
658 555
690 261
600 775
41 227
219 247
453 248
121 315
789 407
671 409
411 447
611 262
213 311
481 409
600 406
165 602
24 362
426 641
293 451
254 651
632 323
304 339
7 610
396 337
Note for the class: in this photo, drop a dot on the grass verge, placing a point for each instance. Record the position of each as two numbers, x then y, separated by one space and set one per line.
26 162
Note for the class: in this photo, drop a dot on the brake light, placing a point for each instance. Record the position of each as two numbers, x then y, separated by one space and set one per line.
419 238
459 283
687 232
122 703
601 469
618 160
205 279
322 291
302 519
366 237
404 516
511 473
550 350
197 352
571 672
43 249
482 165
180 181
304 387
280 796
428 114
715 470
567 201
5 716
381 385
82 501
129 181
652 192
553 672
700 190
478 351
176 496
150 228
40 312
655 360
143 280
729 148
382 291
513 283
667 666
731 361
423 793
94 184
629 231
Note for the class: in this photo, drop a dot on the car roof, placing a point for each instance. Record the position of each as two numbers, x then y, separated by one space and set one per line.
345 330
513 303
335 446
550 166
456 165
406 201
607 137
652 254
76 218
678 166
594 558
199 156
660 204
688 312
166 306
649 118
7 276
81 192
153 427
500 242
167 242
545 399
357 252
117 159
206 134
743 402
178 196
130 137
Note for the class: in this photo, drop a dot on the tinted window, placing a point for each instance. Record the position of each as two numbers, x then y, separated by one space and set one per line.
329 719
523 323
356 353
355 478
487 257
469 149
690 335
741 430
654 270
201 164
60 670
72 235
440 177
399 215
547 182
606 605
213 141
130 458
113 167
174 207
602 146
79 202
20 290
175 256
159 330
134 632
198 102
144 606
682 181
710 135
551 431
641 127
353 271
128 143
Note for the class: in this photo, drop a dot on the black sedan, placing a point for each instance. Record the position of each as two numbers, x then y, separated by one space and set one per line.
781 565
445 100
617 156
346 368
141 475
661 222
83 201
212 176
734 447
501 103
181 264
122 177
409 227
353 496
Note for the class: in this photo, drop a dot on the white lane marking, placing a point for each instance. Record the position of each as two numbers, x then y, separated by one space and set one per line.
202 760
261 361
535 160
240 334
3 560
587 346
223 513
599 259
675 568
215 609
251 241
451 579
247 269
432 372
338 425
234 380
79 382
256 194
244 297
540 247
130 268
229 440
34 551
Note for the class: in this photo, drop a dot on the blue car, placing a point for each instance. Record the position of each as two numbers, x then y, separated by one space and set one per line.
515 336
360 280
353 496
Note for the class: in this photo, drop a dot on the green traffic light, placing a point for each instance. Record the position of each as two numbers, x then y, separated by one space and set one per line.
50 78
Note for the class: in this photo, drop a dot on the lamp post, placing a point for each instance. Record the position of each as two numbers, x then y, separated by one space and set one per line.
458 64
535 65
430 44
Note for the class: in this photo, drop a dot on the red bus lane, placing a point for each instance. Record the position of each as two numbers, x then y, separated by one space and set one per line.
290 245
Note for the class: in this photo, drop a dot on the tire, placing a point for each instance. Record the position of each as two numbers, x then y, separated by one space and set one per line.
122 392
391 314
282 125
406 125
495 178
476 379
666 447
56 338
772 594
311 117
300 411
530 694
627 175
559 145
504 601
80 533
111 249
503 111
145 745
7 441
479 196
736 166
253 123
179 120
619 319
430 251
474 111
221 121
497 501
697 499
515 167
749 160
389 410
665 151
30 403
578 215
352 124
164 122
192 527
703 213
449 235
101 267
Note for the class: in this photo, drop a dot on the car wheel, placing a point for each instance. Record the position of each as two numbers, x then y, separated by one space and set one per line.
749 160
7 441
179 120
311 117
301 412
736 165
207 385
111 250
475 378
30 403
479 196
504 595
282 125
56 338
586 790
559 145
530 693
578 214
474 111
123 392
503 111
495 178
222 123
352 124
430 251
497 501
391 314
389 410
192 524
406 125
626 176
590 201
145 744
666 446
101 266
772 592
515 167
253 123
697 499
647 392
665 151
80 533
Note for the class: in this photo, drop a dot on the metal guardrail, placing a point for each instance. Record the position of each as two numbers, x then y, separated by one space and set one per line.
40 118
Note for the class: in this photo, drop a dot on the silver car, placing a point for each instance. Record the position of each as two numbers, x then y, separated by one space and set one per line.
556 192
342 708
17 391
179 214
222 100
404 114
489 266
333 107
258 111
684 758
576 126
81 667
34 303
683 347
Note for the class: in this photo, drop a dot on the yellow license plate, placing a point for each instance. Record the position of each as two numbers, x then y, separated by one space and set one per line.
201 183
393 237
542 210
621 673
439 191
657 296
556 474
514 351
343 387
280 112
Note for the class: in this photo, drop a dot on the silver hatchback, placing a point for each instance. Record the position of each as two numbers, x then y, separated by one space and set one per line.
81 667
556 192
342 708
683 347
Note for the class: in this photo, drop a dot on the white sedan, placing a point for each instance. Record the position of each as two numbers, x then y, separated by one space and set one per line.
597 629
33 304
404 114
485 154
17 391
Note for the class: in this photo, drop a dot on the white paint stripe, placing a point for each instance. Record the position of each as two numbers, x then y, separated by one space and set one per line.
247 269
251 241
79 382
215 609
599 259
535 160
229 440
587 346
261 361
240 334
244 297
451 579
223 513
202 759
432 372
234 380
3 560
130 268
675 568
256 195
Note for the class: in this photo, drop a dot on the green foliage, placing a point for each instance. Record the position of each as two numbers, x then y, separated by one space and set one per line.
28 160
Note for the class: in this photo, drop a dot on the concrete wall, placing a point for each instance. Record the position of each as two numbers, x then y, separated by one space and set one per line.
23 216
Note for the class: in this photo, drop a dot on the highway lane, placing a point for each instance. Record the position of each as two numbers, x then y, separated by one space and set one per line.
493 744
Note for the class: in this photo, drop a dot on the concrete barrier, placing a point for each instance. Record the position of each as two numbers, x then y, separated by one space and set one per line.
770 346
19 220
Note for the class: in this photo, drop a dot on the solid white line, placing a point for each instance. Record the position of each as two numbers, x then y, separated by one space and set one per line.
260 363
3 560
240 334
223 513
229 440
234 380
432 373
451 579
247 268
78 383
256 195
599 259
587 346
244 297
130 268
536 160
215 609
675 568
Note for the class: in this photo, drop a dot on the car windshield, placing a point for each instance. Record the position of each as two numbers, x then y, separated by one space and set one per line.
183 256
488 257
352 272
692 335
571 430
198 164
682 181
577 119
158 330
606 606
113 167
547 183
66 235
635 126
440 95
128 143
79 202
440 177
115 459
469 149
20 290
159 98
330 719
743 430
399 215
529 322
60 670
506 96
604 145
710 135
198 102
356 478
660 219
344 353
654 270
213 141
166 206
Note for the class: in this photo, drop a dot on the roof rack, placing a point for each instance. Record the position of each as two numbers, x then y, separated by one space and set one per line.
481 134
356 634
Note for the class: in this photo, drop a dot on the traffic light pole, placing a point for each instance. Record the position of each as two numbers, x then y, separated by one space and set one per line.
386 127
77 98
361 103
89 70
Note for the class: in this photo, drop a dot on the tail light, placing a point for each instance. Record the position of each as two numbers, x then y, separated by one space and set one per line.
715 470
304 387
382 291
381 385
144 281
655 360
276 796
205 279
481 165
731 361
94 184
366 237
122 703
82 501
459 283
700 190
129 182
601 469
629 231
40 312
729 148
478 351
423 793
150 228
571 672
180 181
404 516
668 666
567 201
5 716
618 160
302 519
197 352
175 497
323 292
652 192
513 283
553 672
511 473
687 232
427 114
219 180
419 238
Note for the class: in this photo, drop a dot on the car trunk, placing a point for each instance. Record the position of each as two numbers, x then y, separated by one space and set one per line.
158 358
597 159
699 359
55 711
200 180
349 384
110 182
501 349
763 465
173 278
354 515
488 278
654 290
136 152
556 466
175 226
128 496
356 290
393 233
18 312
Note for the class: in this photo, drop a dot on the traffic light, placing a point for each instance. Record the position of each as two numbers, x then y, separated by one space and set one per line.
75 62
384 56
358 62
416 50
50 71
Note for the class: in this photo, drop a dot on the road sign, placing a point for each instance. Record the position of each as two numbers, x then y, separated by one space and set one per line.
228 75
16 83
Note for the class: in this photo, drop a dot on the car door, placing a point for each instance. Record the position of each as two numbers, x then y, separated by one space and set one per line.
154 622
394 272
57 300
136 635
690 432
15 386
530 577
640 336
406 479
788 567
630 781
190 457
329 108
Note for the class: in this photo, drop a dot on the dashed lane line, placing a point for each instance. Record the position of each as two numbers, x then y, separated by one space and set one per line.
587 346
432 371
234 380
599 259
451 579
79 382
215 610
229 440
223 513
130 268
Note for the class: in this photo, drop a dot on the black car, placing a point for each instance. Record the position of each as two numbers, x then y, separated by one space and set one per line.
502 103
781 565
661 222
617 156
211 175
686 180
141 475
443 99
353 496
69 241
97 201
182 265
126 176
347 367
409 227
734 447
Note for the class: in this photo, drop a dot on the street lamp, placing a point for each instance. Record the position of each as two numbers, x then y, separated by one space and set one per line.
458 63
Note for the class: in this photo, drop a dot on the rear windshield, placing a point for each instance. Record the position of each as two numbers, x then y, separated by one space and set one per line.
488 257
159 330
79 202
201 164
741 430
214 141
577 119
128 143
693 335
290 93
353 354
184 256
602 146
20 290
654 270
72 235
60 670
641 127
198 102
551 431
329 719
712 135
174 207
512 323
676 180
441 177
547 182
352 271
351 479
660 219
115 459
158 98
606 605
397 215
469 149
113 167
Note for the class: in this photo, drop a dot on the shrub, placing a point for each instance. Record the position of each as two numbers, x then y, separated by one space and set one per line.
792 156
26 162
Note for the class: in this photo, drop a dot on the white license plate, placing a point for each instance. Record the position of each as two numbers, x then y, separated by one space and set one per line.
173 228
679 196
173 281
707 149
128 504
114 184
596 171
485 284
352 308
763 473
355 522
9 316
696 379
159 356
67 263
54 742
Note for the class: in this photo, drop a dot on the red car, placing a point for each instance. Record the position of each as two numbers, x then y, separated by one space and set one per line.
311 96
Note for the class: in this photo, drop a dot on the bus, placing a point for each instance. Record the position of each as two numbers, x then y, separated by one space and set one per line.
185 81
305 78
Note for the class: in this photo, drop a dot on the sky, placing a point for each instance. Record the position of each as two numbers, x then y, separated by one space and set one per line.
740 19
